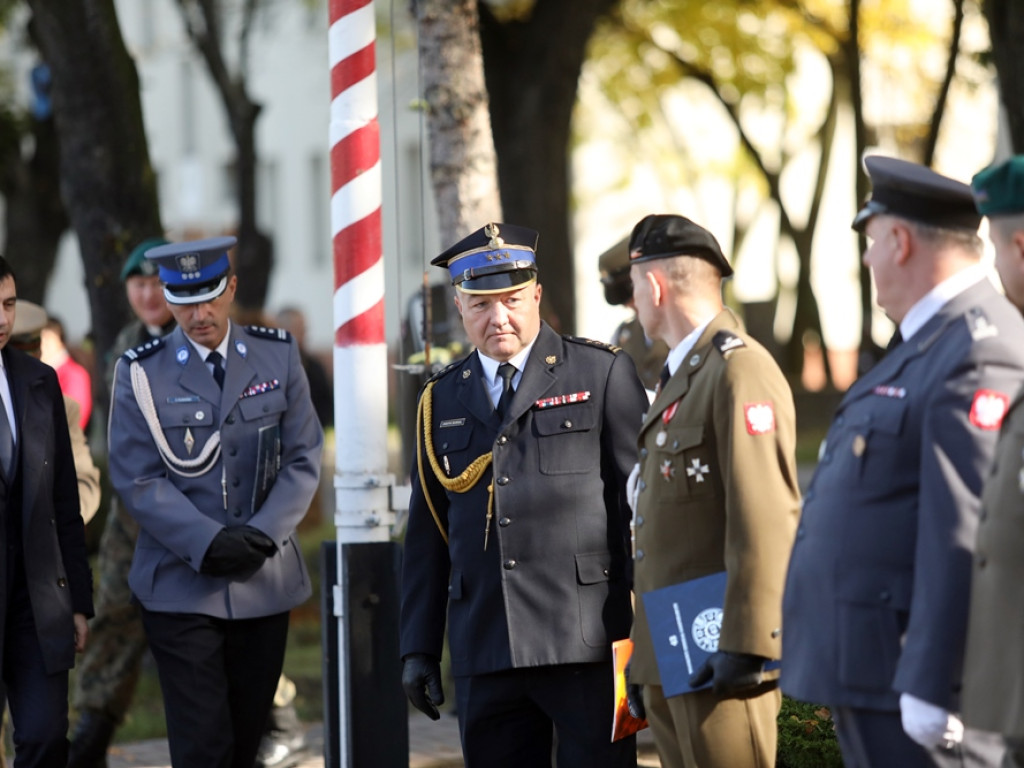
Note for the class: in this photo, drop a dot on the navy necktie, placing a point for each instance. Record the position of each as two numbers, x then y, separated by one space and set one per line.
218 367
505 371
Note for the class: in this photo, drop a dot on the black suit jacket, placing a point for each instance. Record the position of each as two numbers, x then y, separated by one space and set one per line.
44 492
552 587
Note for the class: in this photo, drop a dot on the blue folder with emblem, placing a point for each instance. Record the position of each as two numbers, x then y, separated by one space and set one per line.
685 621
268 462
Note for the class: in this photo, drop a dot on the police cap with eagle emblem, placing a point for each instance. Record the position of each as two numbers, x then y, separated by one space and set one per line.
496 258
663 236
193 271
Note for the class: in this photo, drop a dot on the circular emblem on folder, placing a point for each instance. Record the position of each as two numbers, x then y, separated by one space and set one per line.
707 626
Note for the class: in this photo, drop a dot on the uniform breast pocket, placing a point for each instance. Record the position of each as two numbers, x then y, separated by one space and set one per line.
565 438
451 445
877 443
272 403
686 461
186 425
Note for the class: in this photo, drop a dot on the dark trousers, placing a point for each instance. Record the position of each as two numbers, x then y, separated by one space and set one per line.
875 739
218 678
38 701
512 719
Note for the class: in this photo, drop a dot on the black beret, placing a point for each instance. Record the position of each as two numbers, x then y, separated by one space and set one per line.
661 236
916 193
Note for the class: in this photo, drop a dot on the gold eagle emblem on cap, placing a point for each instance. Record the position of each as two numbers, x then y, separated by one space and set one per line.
492 231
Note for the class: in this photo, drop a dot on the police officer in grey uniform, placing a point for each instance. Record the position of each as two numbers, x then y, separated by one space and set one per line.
518 524
876 598
215 451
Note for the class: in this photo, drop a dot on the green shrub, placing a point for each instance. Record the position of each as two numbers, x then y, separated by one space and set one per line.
807 737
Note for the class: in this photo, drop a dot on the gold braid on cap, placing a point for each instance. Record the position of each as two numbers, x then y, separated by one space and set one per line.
461 484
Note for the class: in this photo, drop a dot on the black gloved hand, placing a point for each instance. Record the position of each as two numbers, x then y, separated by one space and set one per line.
634 697
730 673
421 679
231 554
258 539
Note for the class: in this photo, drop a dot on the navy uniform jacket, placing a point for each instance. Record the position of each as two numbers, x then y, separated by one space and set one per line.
552 586
877 591
179 516
53 534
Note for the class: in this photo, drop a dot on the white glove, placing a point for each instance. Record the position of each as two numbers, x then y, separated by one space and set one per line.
929 725
632 487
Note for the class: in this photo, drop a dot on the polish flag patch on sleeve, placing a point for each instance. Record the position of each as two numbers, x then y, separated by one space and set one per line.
760 418
988 408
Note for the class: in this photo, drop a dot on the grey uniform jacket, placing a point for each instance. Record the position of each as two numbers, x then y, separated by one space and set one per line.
552 587
877 590
264 386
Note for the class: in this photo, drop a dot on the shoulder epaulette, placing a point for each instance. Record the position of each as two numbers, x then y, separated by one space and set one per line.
979 325
277 334
445 370
727 341
143 350
593 343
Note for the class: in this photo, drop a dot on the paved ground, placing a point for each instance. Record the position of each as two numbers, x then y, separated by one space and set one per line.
431 745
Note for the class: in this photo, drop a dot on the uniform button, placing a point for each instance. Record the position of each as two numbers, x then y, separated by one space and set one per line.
642 485
235 482
444 446
232 451
604 571
639 554
187 558
639 520
567 424
238 512
449 587
776 632
502 440
643 453
266 409
62 583
504 522
509 564
230 419
503 480
885 595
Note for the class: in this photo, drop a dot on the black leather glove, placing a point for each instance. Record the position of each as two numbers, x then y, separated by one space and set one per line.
259 540
730 673
232 554
634 697
421 679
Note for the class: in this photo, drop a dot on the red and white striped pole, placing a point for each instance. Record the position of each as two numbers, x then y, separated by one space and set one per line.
363 516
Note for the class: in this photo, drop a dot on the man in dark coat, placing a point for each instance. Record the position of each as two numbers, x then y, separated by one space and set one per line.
47 594
875 606
518 524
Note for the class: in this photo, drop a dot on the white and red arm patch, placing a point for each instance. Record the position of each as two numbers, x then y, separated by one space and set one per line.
760 418
988 408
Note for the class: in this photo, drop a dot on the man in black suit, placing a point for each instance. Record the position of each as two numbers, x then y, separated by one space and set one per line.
518 524
47 593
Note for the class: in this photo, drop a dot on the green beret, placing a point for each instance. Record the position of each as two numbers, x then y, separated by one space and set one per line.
999 189
137 263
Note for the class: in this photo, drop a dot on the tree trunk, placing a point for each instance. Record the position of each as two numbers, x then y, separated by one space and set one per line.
532 68
1006 28
107 182
463 166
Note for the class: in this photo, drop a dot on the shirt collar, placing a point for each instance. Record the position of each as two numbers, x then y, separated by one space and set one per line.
490 365
680 350
928 305
204 352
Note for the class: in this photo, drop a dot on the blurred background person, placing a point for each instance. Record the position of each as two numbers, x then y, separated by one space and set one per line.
75 380
648 354
293 320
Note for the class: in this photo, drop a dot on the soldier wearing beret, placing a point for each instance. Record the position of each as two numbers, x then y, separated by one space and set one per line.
648 354
993 693
876 600
215 452
518 525
717 491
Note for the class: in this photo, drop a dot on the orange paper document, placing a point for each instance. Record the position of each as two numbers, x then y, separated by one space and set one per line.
624 724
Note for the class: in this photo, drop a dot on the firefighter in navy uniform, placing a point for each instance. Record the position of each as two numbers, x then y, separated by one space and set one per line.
215 451
518 524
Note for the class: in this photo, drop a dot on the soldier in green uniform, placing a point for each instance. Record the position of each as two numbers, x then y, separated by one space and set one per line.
648 354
